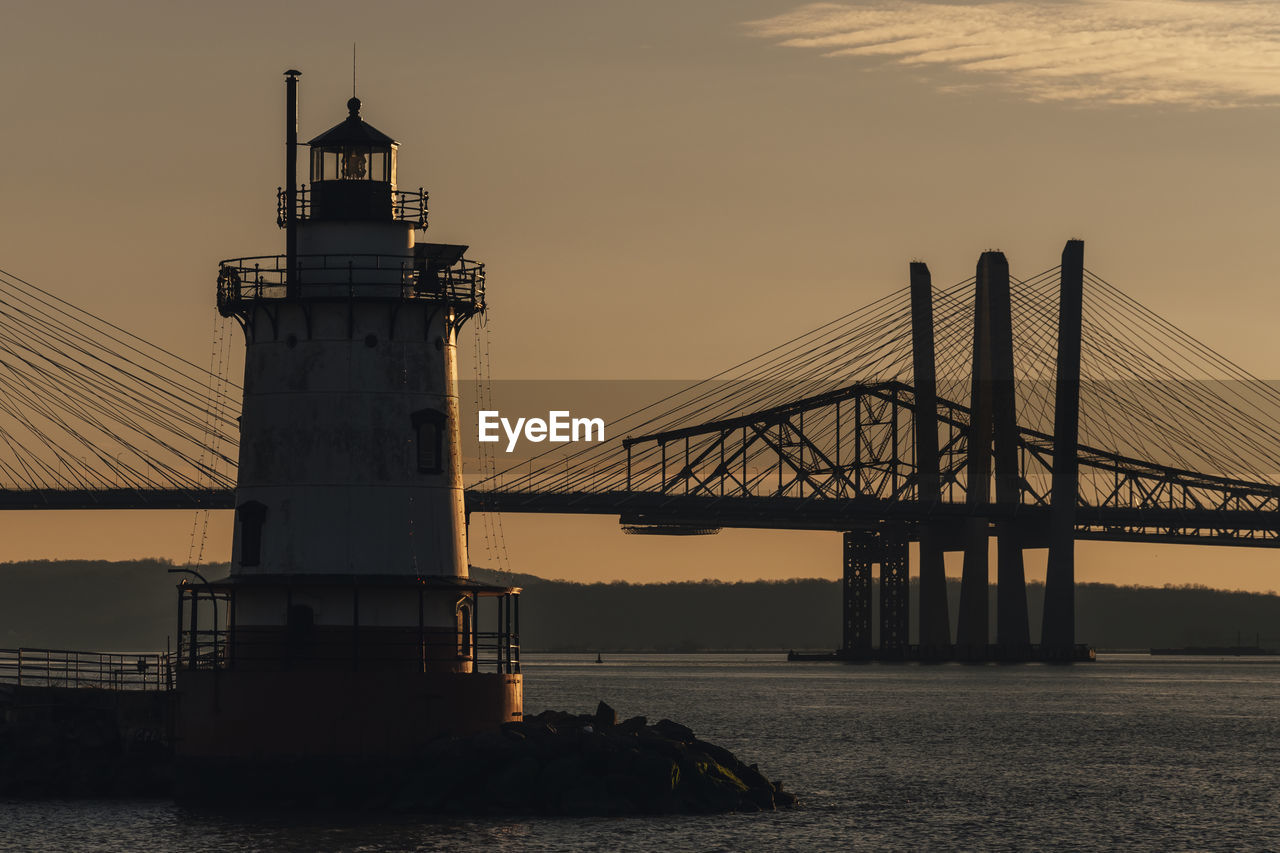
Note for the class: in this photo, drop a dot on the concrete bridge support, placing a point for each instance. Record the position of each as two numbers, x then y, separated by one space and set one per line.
935 622
1058 638
971 630
1013 635
993 420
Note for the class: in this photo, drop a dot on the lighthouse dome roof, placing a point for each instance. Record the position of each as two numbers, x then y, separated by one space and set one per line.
353 131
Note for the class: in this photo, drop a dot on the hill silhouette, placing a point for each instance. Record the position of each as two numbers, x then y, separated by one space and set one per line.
130 606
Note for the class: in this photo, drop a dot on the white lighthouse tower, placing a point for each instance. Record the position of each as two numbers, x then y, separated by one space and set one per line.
348 629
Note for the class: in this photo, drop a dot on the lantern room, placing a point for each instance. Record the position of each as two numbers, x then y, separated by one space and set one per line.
353 171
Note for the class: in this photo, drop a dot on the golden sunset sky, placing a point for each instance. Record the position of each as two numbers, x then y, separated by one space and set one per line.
659 190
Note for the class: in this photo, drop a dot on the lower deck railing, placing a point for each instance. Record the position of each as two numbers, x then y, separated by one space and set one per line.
151 671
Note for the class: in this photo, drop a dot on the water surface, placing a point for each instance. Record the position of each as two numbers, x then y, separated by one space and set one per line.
1133 752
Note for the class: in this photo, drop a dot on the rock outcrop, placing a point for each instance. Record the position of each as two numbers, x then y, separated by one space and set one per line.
558 763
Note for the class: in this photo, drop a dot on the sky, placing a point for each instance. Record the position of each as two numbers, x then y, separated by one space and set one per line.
659 190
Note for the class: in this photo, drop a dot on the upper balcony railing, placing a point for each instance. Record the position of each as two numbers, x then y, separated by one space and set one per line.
242 281
406 205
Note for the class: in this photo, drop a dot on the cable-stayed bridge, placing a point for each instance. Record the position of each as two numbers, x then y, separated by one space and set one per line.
1175 443
94 417
1035 410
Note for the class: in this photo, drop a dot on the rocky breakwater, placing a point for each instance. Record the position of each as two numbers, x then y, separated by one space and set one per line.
557 763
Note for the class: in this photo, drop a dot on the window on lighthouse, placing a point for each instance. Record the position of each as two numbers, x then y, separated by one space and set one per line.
354 166
428 427
352 163
251 515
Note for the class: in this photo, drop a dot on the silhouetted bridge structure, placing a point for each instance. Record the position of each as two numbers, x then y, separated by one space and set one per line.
1086 416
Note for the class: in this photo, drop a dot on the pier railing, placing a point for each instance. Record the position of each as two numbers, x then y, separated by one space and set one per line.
22 667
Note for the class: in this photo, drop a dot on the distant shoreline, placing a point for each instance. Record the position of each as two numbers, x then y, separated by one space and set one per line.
123 606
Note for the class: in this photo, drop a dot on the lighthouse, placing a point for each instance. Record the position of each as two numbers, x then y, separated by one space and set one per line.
348 630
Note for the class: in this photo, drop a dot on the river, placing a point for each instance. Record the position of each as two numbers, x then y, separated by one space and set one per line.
1129 752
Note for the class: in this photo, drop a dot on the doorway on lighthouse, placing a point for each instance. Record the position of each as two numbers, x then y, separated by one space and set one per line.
464 628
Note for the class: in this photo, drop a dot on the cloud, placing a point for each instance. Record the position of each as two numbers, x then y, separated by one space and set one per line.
1208 53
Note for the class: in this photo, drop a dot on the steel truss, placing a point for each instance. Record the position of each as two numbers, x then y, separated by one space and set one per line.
855 446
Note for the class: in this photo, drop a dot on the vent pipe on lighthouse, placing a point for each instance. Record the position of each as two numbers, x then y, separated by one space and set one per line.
291 183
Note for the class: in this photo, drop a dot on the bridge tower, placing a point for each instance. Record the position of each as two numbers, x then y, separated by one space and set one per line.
348 629
935 622
1059 625
993 432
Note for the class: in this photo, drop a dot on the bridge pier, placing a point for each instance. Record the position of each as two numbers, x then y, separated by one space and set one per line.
895 602
993 421
1013 636
860 548
935 622
971 630
888 547
1058 635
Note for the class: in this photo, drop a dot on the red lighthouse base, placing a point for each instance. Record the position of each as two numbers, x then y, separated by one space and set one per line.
229 715
265 711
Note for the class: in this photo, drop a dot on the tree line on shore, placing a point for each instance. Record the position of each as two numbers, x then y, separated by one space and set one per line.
131 606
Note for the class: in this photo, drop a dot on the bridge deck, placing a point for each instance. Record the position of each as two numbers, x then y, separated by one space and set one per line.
1247 528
